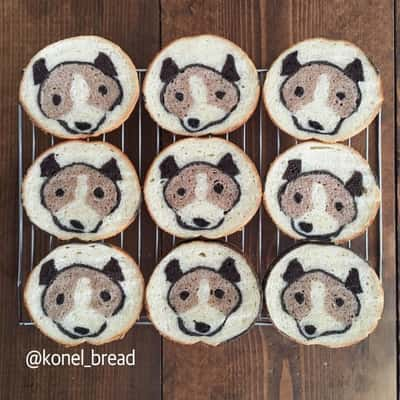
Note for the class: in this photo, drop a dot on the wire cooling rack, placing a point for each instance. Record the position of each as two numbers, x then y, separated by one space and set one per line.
142 140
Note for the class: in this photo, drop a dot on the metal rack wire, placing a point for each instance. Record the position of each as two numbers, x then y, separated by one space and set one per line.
29 246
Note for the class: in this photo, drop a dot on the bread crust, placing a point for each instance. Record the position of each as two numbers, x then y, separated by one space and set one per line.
231 128
118 336
290 232
147 200
333 345
62 135
199 342
115 232
324 138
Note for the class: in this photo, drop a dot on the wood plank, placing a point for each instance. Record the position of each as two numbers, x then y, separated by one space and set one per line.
263 364
25 27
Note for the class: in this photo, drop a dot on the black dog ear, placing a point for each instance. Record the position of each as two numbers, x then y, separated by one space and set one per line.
111 170
290 64
104 64
293 170
229 69
228 270
354 70
49 166
47 273
355 184
169 70
293 271
113 270
168 167
40 71
353 281
173 271
227 165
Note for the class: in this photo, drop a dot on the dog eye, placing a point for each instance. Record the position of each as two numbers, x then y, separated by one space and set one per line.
299 91
299 297
184 294
98 192
181 192
60 299
56 99
298 197
339 301
102 90
219 293
218 188
340 95
179 96
339 206
60 192
220 94
105 295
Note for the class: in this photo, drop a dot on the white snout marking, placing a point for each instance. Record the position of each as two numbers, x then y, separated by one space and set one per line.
318 109
322 222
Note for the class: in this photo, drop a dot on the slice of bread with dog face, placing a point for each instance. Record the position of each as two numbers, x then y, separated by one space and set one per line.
323 89
85 293
83 190
200 85
324 294
202 187
203 292
79 87
319 191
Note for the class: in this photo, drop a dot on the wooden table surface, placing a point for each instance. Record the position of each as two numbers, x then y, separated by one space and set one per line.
261 364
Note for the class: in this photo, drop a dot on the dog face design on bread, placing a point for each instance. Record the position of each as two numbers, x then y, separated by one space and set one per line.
78 95
203 298
198 95
318 203
79 196
81 299
320 302
200 193
320 95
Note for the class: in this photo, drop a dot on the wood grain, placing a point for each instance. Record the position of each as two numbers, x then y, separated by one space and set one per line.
261 364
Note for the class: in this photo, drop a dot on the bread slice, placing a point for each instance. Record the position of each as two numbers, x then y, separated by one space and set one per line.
323 89
85 293
324 294
202 187
79 87
84 190
203 292
320 191
200 85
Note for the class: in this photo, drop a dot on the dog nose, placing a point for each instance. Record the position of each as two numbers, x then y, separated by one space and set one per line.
193 122
315 125
305 227
76 224
83 126
310 329
202 223
81 331
201 327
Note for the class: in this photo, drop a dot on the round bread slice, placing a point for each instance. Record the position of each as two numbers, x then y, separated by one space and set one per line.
323 89
202 187
85 293
200 85
203 292
324 294
79 87
84 190
320 191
